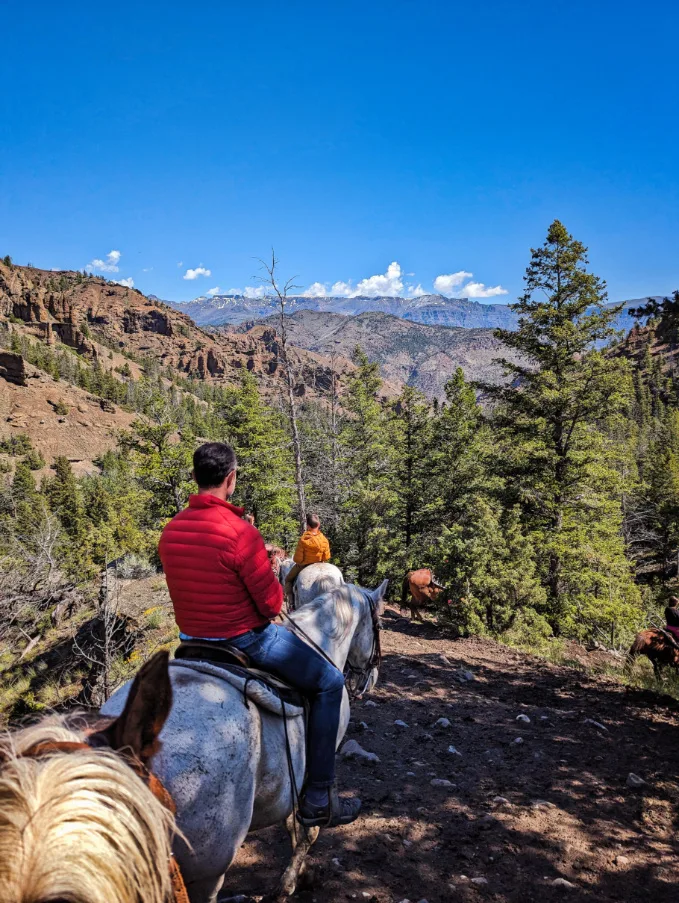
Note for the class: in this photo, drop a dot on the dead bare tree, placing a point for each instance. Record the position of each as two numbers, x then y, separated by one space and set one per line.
280 297
31 580
105 639
334 438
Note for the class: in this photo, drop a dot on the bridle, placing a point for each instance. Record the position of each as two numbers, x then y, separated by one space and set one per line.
95 739
357 679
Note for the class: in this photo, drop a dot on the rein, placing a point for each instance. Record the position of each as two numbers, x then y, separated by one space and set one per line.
356 679
152 781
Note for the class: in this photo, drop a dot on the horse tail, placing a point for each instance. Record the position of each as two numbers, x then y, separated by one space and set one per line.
405 589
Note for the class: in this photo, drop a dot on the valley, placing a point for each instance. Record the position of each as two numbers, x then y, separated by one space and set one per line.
408 352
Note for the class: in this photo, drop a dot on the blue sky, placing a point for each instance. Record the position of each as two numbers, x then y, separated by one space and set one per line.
436 136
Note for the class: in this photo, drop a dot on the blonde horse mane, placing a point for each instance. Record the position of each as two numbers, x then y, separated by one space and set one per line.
78 826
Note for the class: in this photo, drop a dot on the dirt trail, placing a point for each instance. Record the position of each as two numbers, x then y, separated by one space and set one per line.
567 812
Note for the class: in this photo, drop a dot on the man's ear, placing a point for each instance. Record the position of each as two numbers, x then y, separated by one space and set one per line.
136 729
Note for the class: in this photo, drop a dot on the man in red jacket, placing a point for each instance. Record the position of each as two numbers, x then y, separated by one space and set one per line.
223 588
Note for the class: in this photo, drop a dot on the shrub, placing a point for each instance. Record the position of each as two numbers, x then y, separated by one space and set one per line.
16 445
34 459
61 408
135 567
529 629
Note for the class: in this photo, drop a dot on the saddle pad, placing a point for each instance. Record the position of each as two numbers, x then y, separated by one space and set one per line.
246 683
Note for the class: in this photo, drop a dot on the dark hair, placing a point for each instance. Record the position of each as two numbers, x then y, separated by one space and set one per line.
313 521
212 463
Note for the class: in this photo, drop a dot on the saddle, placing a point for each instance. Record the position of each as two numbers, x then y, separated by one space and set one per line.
228 658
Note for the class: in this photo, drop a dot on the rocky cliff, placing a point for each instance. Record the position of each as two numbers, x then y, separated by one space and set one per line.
94 316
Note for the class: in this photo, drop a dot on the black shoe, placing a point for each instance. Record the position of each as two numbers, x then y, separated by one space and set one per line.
334 813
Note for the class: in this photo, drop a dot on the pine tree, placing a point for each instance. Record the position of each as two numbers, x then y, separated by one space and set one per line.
266 467
660 495
64 498
162 460
367 539
27 505
412 428
558 464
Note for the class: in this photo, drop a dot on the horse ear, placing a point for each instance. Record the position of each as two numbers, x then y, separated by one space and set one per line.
148 704
379 594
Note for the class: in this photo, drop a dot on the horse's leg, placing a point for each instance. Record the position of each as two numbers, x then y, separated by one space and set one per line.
302 840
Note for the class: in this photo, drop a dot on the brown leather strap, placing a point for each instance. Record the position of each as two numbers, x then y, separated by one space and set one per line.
178 887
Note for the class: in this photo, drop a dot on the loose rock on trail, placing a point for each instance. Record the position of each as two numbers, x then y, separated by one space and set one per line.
548 819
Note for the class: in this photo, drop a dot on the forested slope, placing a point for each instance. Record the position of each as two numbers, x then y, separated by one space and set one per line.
551 512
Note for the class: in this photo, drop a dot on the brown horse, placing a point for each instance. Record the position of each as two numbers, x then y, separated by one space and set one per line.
422 587
659 647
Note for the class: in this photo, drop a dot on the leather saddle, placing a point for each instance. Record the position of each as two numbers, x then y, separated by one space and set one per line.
222 654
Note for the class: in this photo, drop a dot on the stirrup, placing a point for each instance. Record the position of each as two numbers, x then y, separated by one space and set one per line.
335 813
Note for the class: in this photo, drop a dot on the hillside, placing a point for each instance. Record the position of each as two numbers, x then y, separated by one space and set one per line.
94 316
126 335
408 352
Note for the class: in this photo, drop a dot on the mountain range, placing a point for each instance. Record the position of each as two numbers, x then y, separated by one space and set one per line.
410 353
431 310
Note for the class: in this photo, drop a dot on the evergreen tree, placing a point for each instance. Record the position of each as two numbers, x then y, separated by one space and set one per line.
162 460
64 498
413 431
557 463
266 476
26 503
367 539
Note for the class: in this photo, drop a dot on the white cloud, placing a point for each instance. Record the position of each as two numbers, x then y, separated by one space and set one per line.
448 284
199 271
147 269
344 289
255 291
479 290
390 283
213 291
128 283
455 285
316 290
110 265
180 264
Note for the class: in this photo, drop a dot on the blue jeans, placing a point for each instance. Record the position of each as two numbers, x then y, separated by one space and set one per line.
275 649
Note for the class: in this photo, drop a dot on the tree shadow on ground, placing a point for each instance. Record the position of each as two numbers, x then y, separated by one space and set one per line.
567 812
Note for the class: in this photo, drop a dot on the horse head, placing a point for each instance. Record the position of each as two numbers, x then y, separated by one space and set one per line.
77 822
365 651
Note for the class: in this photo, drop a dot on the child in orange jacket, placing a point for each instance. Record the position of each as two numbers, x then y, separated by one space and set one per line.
312 547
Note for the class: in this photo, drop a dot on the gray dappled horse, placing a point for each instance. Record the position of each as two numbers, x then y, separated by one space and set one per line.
312 581
225 762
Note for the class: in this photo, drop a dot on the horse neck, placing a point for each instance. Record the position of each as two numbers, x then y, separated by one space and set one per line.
321 625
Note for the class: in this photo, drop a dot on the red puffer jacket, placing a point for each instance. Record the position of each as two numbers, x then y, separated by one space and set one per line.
217 570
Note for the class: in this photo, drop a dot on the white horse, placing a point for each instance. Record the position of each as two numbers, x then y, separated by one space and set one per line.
224 762
313 580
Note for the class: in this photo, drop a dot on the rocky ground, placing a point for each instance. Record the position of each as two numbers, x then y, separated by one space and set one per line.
499 777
